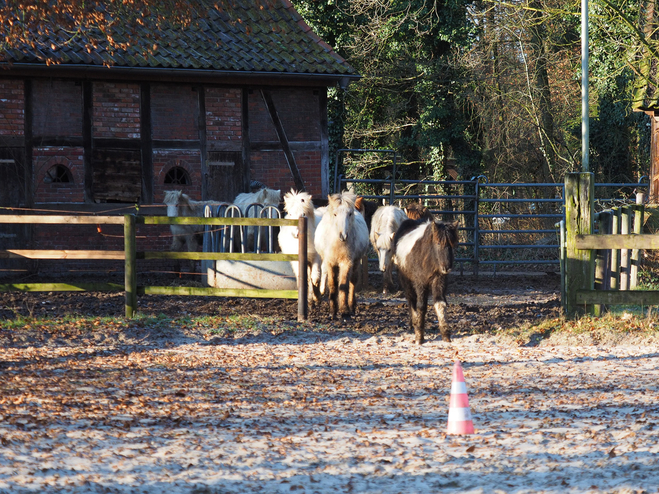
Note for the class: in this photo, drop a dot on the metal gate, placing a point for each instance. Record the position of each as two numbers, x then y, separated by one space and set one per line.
501 224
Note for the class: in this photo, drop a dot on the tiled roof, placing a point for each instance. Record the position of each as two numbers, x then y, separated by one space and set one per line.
256 36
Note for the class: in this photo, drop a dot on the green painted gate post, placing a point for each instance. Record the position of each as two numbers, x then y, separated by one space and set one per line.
579 264
303 282
130 270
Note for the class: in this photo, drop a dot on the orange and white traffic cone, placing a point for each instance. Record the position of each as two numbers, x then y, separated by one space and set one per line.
459 413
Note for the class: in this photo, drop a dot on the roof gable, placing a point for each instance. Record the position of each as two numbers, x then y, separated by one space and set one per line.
250 36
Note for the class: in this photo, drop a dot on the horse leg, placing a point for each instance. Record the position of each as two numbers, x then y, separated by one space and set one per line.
439 299
346 287
387 284
410 295
314 291
419 314
352 288
191 242
315 280
333 289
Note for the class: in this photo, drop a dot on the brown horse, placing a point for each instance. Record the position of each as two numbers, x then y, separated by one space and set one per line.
416 211
424 256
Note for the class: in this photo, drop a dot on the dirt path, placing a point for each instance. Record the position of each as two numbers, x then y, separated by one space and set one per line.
316 412
323 408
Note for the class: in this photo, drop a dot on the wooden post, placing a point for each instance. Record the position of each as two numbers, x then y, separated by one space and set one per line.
579 264
303 282
603 256
638 230
625 222
130 270
614 279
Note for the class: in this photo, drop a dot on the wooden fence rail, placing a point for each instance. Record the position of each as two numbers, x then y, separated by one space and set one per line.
130 255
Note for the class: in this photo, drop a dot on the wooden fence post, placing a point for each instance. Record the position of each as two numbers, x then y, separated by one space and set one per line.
625 223
303 286
614 279
602 260
579 264
639 211
130 270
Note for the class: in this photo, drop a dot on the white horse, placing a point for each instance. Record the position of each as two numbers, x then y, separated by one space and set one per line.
341 239
180 204
265 197
251 204
384 224
297 205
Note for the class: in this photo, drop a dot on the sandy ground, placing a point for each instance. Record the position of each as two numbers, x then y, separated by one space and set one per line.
323 407
327 412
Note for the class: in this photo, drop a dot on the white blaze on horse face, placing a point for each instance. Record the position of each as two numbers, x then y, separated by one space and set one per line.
406 244
344 218
172 209
384 256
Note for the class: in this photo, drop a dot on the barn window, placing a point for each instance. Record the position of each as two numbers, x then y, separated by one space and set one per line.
178 176
58 174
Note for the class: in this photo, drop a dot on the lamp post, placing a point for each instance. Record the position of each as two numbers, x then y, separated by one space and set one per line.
585 124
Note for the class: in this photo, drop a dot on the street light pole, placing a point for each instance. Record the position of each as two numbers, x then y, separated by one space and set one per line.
585 124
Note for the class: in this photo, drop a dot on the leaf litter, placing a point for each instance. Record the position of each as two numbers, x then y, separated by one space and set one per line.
322 408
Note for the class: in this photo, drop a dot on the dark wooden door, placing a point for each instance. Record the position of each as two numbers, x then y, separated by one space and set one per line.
12 195
225 175
116 175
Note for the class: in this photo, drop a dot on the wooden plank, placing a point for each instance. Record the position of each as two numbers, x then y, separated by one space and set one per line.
87 136
198 220
631 241
625 225
216 292
61 219
303 282
130 266
146 142
281 134
614 280
62 254
618 297
639 211
61 287
217 256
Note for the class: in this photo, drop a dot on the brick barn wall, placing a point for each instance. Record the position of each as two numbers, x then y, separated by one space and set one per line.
116 114
299 112
174 112
46 191
223 118
116 110
12 102
57 108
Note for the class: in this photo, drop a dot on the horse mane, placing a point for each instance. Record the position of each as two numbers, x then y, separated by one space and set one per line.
299 204
416 211
445 234
336 200
172 196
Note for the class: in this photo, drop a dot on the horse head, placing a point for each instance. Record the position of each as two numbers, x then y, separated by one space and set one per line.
341 211
172 199
445 239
